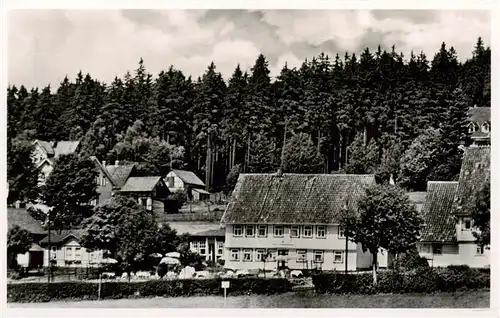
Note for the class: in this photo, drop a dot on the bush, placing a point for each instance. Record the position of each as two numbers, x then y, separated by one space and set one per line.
419 280
37 292
410 260
162 269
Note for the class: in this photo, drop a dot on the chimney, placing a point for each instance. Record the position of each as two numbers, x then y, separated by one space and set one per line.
117 163
279 173
104 163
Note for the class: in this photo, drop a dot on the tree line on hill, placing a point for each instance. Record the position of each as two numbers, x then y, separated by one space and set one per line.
377 112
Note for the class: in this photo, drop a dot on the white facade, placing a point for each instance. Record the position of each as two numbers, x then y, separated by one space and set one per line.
176 184
463 252
210 248
304 247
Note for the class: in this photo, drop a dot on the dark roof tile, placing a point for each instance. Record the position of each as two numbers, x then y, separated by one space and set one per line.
437 212
479 114
24 220
294 198
120 174
474 173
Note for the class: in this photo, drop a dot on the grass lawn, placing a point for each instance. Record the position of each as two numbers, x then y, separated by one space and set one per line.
467 299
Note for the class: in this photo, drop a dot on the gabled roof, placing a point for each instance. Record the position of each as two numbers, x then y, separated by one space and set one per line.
46 146
220 232
58 148
294 198
140 184
474 173
57 237
120 173
24 220
479 114
437 212
46 160
189 177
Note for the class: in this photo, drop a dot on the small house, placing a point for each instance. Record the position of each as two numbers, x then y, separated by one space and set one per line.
46 152
66 250
209 243
188 182
21 217
151 192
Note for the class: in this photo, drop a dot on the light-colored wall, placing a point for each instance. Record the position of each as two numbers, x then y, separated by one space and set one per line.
46 170
455 254
61 255
293 262
23 259
38 154
195 247
332 241
463 234
105 191
178 183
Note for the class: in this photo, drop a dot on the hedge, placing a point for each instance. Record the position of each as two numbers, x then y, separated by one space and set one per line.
43 292
420 280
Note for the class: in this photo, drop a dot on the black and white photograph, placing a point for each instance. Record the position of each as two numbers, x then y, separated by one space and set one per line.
248 158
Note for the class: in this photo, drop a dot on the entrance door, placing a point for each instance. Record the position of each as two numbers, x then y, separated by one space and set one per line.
36 259
282 259
211 251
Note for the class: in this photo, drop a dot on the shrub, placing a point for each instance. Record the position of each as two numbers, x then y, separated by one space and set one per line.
410 260
419 280
38 292
162 269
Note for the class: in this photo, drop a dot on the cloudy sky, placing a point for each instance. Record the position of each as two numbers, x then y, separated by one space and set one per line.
46 45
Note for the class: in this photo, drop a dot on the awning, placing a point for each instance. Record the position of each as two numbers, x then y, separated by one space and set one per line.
201 191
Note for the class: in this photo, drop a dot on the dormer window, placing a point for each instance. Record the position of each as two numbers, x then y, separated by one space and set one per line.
486 127
472 128
466 224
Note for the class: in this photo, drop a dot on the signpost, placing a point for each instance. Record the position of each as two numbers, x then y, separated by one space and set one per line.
225 286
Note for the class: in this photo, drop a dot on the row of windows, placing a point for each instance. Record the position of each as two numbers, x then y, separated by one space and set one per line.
201 247
485 128
101 181
438 249
249 255
279 230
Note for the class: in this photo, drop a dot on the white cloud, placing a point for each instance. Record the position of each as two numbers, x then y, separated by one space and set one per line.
107 43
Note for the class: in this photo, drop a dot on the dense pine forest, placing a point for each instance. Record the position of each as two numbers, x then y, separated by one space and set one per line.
375 112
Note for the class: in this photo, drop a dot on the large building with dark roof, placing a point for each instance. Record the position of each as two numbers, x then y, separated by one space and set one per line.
294 219
447 235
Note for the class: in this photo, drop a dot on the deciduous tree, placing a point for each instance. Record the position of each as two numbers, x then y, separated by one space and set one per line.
386 219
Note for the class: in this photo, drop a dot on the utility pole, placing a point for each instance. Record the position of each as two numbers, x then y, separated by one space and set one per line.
346 249
49 260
